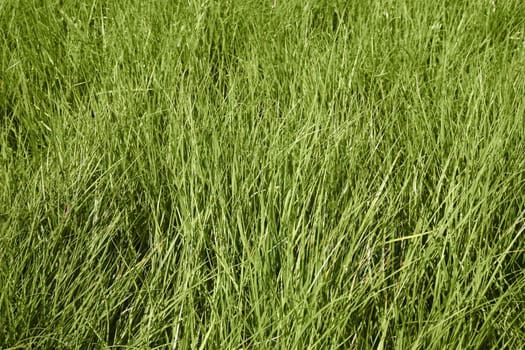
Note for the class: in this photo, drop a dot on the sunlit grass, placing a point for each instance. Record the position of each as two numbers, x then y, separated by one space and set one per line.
262 174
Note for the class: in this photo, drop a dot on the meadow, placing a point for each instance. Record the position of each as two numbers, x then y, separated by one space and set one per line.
262 174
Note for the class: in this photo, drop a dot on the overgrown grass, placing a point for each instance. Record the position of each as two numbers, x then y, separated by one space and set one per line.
245 174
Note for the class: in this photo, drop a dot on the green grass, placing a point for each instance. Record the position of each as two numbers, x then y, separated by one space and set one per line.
245 174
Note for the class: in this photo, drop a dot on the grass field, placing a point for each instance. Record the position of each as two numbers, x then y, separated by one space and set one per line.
245 174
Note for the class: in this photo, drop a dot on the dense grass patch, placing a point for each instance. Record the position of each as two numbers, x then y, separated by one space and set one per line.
246 174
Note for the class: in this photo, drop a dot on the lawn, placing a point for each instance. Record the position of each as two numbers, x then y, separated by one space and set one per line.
262 174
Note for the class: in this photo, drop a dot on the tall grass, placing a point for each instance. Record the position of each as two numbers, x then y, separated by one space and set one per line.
257 174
